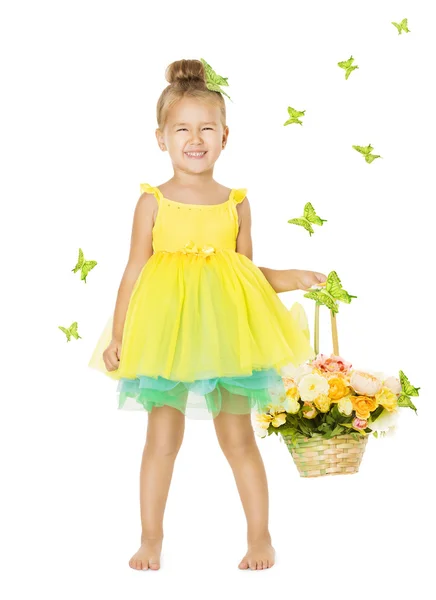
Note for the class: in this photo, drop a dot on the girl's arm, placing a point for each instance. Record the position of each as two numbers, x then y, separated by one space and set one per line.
141 250
281 280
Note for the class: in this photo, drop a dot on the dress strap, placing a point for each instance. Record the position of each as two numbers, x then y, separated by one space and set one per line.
238 195
149 189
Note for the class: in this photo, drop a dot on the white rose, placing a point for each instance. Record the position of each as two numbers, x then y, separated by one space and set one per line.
393 384
364 383
311 386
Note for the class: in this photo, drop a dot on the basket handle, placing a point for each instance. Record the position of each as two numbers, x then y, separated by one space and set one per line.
334 330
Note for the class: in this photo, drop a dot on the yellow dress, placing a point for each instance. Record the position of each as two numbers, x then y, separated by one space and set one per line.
204 330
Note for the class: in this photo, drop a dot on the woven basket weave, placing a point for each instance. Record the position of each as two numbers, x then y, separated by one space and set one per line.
316 456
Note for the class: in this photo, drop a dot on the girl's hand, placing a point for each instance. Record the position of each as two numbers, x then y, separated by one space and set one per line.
306 279
111 355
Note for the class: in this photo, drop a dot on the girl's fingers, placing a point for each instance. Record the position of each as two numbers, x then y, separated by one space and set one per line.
111 360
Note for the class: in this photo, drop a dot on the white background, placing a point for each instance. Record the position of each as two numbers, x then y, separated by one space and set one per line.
80 83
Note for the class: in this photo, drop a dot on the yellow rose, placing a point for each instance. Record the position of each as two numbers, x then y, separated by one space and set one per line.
345 406
387 398
364 405
322 403
338 388
291 405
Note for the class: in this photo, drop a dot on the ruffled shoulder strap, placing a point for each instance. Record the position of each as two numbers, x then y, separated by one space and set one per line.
238 195
149 189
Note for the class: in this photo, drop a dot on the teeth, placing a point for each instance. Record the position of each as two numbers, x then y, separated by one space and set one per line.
195 153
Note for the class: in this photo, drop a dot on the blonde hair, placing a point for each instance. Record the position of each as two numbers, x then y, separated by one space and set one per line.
187 78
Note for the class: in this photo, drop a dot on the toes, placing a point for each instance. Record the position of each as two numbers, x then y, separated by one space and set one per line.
144 565
243 564
154 565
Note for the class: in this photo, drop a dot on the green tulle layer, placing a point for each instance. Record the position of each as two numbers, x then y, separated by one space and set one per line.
205 397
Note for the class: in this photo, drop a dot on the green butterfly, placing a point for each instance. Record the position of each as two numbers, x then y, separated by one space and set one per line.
366 151
346 64
85 265
71 331
401 26
309 217
407 390
333 291
213 80
294 114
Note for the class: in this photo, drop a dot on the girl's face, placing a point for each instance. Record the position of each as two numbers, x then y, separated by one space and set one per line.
193 126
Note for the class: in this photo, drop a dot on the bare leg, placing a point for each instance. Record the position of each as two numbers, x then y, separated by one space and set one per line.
236 439
165 430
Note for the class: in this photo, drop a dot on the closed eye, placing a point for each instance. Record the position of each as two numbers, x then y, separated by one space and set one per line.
184 128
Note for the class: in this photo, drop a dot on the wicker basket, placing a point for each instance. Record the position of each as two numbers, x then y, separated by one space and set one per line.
316 456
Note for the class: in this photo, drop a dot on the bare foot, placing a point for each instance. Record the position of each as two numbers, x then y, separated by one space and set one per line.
148 555
260 555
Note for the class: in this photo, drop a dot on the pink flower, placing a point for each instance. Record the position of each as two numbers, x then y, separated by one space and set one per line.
359 423
332 364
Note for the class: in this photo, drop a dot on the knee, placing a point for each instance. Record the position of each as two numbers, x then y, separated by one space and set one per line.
163 447
237 444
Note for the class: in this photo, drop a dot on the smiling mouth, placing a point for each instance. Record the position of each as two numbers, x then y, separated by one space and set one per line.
196 155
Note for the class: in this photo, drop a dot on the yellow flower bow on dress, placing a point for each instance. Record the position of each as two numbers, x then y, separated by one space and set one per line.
192 248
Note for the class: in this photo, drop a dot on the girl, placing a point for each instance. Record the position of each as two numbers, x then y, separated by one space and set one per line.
197 326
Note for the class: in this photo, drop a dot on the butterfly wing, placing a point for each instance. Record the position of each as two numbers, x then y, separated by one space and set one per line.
405 401
87 266
346 64
363 149
328 301
334 288
80 261
73 330
213 80
321 297
304 223
311 216
370 157
350 70
404 26
295 113
406 387
66 331
313 295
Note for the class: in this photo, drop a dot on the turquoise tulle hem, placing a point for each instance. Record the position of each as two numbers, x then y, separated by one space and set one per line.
202 398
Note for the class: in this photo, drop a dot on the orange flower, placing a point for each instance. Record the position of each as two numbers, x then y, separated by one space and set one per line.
364 405
338 388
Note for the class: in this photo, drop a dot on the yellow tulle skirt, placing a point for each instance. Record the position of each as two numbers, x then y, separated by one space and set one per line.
204 334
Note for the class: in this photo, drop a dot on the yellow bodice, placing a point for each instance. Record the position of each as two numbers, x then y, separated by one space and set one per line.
195 228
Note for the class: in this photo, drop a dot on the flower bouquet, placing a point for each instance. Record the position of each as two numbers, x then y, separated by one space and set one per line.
328 408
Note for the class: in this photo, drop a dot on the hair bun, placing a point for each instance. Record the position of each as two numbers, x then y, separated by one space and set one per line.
185 70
